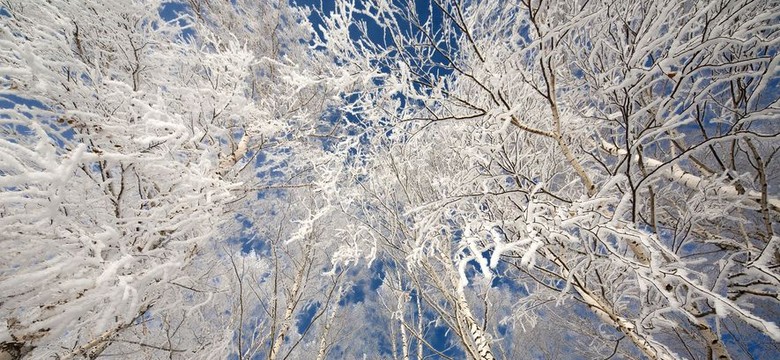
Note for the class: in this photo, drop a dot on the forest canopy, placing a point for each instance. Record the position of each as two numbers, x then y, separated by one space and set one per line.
389 179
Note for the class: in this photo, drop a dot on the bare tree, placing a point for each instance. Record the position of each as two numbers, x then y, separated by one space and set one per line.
620 149
207 184
129 140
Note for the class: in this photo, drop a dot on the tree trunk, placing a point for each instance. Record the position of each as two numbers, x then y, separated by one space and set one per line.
478 335
288 313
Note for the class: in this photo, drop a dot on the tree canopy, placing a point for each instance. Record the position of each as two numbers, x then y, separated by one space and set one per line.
389 179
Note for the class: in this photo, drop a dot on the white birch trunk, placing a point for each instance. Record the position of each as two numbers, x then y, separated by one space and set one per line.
607 314
478 335
231 160
323 350
288 314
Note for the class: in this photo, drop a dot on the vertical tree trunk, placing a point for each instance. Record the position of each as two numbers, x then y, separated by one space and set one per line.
292 301
323 350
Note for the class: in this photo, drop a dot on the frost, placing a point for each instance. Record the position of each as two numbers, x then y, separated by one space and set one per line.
249 173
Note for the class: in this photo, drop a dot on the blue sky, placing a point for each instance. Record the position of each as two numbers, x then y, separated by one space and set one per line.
365 289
